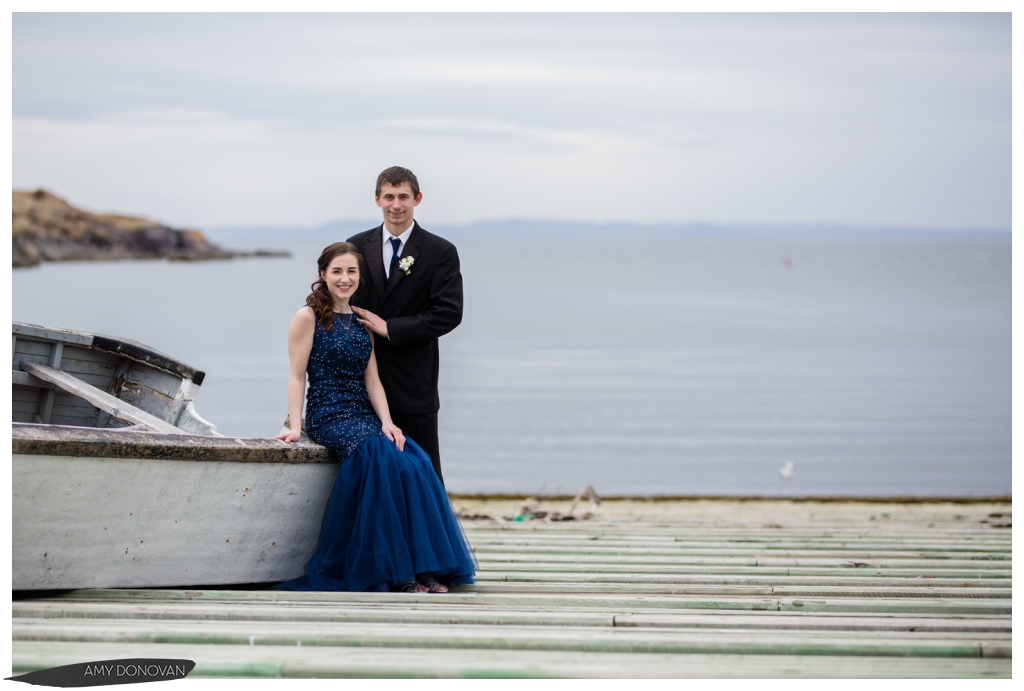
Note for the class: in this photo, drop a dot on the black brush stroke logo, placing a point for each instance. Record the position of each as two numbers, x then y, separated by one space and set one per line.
107 672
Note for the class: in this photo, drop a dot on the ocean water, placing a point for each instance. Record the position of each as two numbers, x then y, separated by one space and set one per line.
877 366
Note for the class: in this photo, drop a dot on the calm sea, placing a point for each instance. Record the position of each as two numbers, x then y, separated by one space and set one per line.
649 366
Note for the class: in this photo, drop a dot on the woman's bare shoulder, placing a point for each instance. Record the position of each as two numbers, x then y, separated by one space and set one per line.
305 317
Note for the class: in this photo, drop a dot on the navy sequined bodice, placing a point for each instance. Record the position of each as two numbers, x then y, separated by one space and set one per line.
338 411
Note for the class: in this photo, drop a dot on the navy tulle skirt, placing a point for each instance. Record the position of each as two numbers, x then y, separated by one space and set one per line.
388 519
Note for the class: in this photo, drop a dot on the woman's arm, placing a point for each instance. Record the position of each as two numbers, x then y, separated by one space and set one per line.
379 400
300 343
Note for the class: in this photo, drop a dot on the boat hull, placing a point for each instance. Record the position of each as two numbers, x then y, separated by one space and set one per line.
116 516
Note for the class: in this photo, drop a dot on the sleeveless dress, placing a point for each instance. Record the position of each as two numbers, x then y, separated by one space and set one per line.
388 517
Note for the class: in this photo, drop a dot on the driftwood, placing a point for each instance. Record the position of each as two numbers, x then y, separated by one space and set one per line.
587 492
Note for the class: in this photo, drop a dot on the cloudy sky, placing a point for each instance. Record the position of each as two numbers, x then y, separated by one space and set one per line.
225 119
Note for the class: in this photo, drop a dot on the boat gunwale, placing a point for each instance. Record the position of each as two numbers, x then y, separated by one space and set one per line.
32 439
119 346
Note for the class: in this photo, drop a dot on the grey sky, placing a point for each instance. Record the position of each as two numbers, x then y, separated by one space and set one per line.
212 119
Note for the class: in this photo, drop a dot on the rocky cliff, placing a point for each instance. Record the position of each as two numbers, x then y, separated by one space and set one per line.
47 228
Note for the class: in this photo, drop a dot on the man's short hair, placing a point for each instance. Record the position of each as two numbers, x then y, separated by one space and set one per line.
396 175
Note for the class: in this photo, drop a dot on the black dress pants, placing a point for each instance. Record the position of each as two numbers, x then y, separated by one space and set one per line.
422 429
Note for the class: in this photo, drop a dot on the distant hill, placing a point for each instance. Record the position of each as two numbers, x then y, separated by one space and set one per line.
247 236
550 229
47 228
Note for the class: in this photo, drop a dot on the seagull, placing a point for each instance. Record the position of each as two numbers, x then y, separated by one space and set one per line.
786 471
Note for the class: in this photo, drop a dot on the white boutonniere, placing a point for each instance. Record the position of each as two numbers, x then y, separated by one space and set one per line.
405 264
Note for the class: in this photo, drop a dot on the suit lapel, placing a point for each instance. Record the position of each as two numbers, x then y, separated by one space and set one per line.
411 249
375 260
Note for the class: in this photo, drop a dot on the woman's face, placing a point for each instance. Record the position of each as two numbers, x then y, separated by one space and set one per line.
342 276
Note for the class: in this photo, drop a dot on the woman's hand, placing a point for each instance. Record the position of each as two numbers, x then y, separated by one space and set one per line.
293 435
394 434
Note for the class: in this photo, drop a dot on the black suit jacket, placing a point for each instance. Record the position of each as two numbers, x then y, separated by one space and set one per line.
419 308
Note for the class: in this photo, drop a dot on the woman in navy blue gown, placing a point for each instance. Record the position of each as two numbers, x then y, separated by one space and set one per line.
388 524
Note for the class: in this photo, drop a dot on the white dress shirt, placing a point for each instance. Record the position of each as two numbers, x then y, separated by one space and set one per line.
389 249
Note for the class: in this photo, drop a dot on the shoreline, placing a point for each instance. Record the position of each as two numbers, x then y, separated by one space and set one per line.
923 499
227 255
46 228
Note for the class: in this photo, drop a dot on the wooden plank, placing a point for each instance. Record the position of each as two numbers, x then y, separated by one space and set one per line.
622 602
597 530
852 565
56 352
894 605
100 399
502 588
927 575
25 407
734 579
502 533
530 558
745 522
507 528
26 380
270 612
489 550
936 525
75 417
96 381
685 640
453 614
225 661
471 636
46 405
881 563
889 591
90 355
710 539
30 331
742 527
464 595
26 393
67 400
812 623
62 412
25 347
569 587
937 541
80 367
38 359
485 542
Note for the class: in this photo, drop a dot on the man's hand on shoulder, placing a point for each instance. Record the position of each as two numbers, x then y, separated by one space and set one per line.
371 321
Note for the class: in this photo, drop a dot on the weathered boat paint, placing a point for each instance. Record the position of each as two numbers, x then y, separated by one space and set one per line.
168 510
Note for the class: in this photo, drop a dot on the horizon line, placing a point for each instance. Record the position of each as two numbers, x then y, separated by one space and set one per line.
666 225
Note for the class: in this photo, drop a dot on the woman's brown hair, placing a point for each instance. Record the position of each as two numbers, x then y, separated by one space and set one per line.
320 300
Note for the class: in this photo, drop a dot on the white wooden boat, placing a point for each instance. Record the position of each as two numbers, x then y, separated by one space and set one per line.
119 482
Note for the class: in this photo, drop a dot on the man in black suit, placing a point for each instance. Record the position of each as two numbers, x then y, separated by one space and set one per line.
412 296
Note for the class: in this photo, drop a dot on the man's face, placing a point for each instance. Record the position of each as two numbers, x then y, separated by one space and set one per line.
398 203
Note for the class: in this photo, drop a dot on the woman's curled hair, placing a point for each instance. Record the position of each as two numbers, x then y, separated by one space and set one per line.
320 300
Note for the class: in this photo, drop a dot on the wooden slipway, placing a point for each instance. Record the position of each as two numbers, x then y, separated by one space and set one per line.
681 588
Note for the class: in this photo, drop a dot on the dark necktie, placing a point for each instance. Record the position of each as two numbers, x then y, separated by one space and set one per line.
395 244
